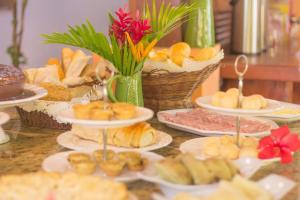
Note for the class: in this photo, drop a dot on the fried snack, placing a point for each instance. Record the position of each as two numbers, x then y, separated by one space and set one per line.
173 171
216 98
227 191
199 170
205 53
78 157
133 160
67 56
229 151
112 167
98 155
93 110
233 92
219 168
123 110
101 114
84 167
251 103
77 64
229 101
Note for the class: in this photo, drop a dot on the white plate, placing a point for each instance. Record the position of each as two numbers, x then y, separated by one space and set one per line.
143 114
39 93
277 185
59 163
211 132
284 117
72 141
273 106
194 146
247 167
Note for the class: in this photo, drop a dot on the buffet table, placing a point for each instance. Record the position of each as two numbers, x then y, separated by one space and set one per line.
29 146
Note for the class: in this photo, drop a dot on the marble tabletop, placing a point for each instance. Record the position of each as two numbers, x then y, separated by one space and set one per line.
29 146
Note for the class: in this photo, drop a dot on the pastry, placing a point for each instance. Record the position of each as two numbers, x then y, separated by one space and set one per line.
84 167
219 168
199 170
137 135
252 103
66 186
263 101
159 55
78 63
98 155
205 53
173 171
12 82
178 52
133 160
123 110
78 157
229 101
230 151
112 167
98 114
216 98
67 56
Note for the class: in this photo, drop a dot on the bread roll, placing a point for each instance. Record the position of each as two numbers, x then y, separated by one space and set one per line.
263 101
229 101
179 51
233 91
251 103
216 98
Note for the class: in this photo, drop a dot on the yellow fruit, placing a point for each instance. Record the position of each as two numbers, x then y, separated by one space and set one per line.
179 51
205 53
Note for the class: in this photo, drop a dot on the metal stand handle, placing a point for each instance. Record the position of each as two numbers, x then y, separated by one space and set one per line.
240 75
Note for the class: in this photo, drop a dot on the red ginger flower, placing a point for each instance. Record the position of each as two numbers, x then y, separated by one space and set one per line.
136 28
281 143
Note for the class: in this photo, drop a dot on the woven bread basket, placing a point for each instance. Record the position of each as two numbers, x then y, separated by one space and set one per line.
164 90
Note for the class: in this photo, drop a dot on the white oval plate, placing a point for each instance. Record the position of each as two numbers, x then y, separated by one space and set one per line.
284 117
39 93
58 163
277 185
211 132
273 106
247 167
194 146
72 141
143 114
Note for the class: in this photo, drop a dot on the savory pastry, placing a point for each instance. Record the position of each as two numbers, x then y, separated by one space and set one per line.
219 168
233 91
113 167
101 114
137 135
199 170
251 103
263 101
216 98
178 52
229 101
230 151
12 82
133 160
66 186
123 110
78 157
205 53
173 171
98 155
84 167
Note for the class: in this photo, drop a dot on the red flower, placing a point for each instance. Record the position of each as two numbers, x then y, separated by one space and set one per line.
136 28
281 143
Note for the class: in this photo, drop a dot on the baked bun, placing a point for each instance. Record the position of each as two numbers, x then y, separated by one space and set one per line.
229 101
205 53
251 103
216 98
179 51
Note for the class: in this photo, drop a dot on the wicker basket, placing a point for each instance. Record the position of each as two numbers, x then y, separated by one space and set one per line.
163 91
40 119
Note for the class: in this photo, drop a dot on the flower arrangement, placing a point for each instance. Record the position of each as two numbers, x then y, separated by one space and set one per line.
281 143
130 38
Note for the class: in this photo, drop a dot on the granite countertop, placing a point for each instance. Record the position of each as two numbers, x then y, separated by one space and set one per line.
29 146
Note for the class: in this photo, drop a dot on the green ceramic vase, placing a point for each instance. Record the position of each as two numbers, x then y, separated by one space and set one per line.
128 89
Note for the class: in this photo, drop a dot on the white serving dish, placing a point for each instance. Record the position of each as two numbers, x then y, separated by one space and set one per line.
39 92
273 106
72 141
284 117
211 132
143 114
58 163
